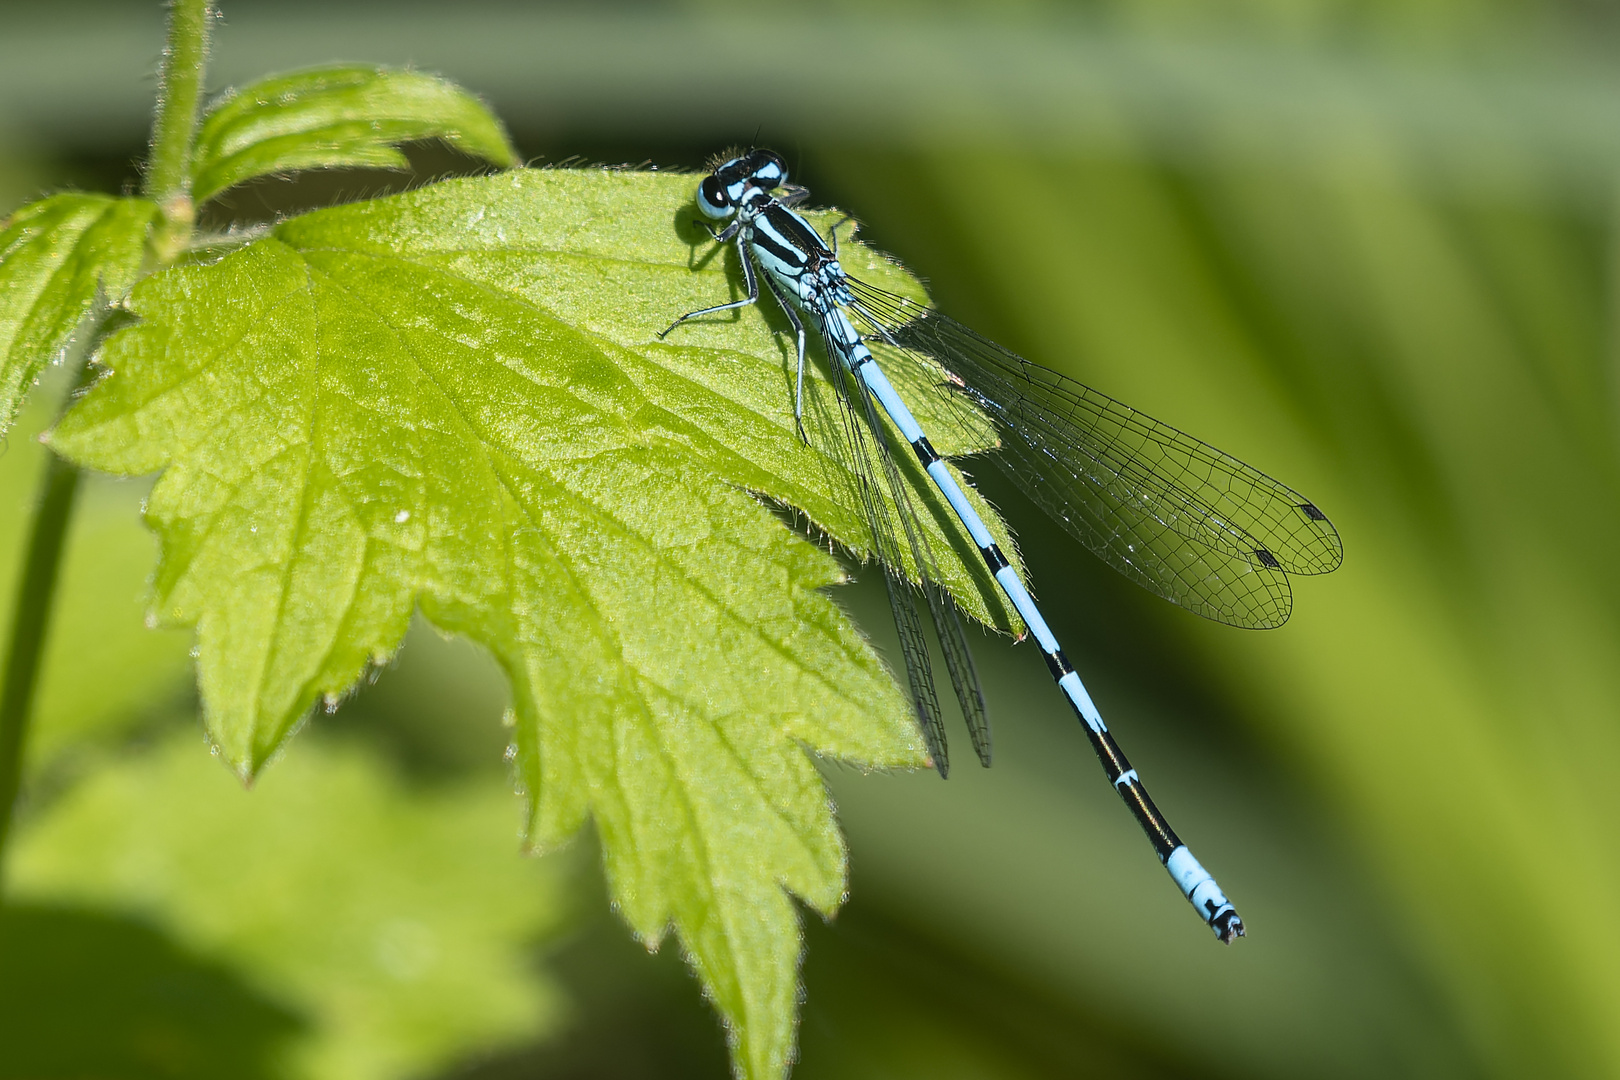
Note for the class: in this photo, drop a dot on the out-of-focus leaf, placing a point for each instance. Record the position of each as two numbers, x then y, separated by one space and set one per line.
331 117
457 398
88 993
55 255
396 922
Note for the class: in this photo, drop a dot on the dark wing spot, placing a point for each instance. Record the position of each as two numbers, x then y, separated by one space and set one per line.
1267 559
1312 512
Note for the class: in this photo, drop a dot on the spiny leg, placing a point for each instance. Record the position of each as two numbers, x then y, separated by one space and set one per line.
748 276
832 231
798 389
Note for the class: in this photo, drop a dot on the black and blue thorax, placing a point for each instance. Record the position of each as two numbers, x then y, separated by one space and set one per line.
801 267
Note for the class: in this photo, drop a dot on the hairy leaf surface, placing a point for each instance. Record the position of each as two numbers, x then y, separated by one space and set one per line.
354 115
455 399
55 255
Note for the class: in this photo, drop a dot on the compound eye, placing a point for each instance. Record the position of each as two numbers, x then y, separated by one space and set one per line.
713 198
767 170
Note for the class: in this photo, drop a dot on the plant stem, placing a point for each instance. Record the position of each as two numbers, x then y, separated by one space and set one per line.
30 622
168 183
168 168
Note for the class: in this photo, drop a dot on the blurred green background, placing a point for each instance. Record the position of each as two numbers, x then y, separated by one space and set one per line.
1367 246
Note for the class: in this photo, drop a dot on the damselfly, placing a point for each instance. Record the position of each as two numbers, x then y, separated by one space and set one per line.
1171 513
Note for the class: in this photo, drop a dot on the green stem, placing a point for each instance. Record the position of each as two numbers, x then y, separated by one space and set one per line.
168 183
30 622
168 169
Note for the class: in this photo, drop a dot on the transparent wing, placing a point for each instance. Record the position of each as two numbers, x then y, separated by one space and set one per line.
1173 514
857 452
866 453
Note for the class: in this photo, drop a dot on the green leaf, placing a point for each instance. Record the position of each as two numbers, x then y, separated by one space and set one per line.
55 255
398 923
333 117
456 398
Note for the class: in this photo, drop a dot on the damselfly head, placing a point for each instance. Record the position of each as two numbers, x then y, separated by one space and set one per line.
732 181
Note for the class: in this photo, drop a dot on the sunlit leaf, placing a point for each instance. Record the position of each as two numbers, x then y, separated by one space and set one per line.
355 116
55 255
456 398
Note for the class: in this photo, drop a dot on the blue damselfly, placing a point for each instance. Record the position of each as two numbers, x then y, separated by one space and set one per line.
1171 513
